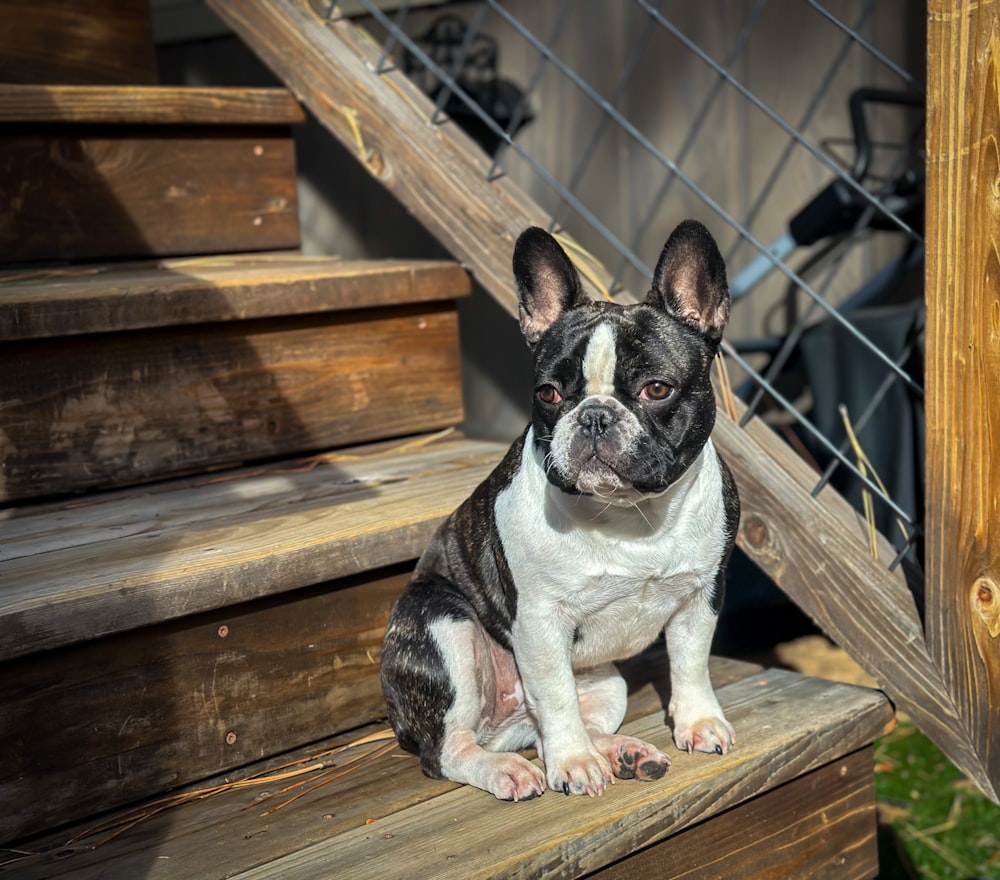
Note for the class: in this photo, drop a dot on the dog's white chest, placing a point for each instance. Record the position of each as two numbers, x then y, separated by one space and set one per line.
610 576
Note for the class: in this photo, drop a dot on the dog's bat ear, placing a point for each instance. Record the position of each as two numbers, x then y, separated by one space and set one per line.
547 282
690 281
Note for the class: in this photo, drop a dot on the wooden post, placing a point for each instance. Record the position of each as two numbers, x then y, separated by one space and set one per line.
963 362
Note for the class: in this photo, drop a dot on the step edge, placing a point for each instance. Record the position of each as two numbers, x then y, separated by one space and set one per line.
48 303
45 104
859 714
35 620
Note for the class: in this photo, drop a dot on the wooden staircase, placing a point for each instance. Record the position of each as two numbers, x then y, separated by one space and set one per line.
219 461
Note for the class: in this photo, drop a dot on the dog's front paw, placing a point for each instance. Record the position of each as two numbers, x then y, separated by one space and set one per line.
585 772
632 758
711 734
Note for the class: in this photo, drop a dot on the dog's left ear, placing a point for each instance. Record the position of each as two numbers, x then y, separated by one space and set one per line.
690 281
547 282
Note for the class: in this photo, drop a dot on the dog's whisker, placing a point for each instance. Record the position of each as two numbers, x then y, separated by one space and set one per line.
641 512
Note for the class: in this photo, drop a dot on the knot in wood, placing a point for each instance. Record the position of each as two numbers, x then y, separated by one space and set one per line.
986 603
755 531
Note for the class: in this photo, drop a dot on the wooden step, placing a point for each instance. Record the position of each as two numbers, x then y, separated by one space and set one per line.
171 632
118 375
77 570
100 41
115 297
94 173
794 799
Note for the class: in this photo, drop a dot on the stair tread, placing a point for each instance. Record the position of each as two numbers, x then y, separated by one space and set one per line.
131 296
88 567
148 105
385 820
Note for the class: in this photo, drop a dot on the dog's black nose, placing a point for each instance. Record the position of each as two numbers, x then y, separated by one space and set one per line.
595 419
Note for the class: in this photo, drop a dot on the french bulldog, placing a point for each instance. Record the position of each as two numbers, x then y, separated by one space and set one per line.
607 523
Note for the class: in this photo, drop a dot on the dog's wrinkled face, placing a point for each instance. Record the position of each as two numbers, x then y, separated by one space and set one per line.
623 402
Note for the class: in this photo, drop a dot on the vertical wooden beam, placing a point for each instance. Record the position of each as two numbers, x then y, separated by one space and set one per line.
963 362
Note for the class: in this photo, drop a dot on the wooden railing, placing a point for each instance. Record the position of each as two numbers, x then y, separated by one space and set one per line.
812 547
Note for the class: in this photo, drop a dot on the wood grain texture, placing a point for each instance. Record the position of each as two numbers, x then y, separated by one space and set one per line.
790 726
963 364
202 290
134 104
118 409
821 826
82 569
100 41
72 194
143 712
132 715
389 813
374 790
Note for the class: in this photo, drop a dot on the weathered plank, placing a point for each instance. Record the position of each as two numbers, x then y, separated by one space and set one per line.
821 825
787 726
332 66
125 408
203 290
135 104
78 570
135 714
74 194
101 41
963 364
377 789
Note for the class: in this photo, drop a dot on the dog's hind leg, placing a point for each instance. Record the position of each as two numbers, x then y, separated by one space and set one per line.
487 720
603 698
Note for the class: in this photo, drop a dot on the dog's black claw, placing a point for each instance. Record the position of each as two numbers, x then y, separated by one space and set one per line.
566 788
718 749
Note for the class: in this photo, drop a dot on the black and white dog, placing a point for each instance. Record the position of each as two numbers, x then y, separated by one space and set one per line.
609 521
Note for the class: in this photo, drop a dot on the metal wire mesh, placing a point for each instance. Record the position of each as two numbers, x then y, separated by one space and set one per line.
829 345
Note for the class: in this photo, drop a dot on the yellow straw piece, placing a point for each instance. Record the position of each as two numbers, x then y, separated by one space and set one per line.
726 386
574 252
867 469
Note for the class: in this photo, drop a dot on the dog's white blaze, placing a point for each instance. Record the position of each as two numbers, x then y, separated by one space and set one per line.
663 555
616 577
600 361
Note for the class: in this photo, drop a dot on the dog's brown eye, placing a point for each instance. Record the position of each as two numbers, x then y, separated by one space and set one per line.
656 391
548 394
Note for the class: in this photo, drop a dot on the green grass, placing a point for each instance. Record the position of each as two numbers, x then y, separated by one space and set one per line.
935 824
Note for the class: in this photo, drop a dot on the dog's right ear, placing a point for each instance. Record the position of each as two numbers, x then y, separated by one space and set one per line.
547 282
